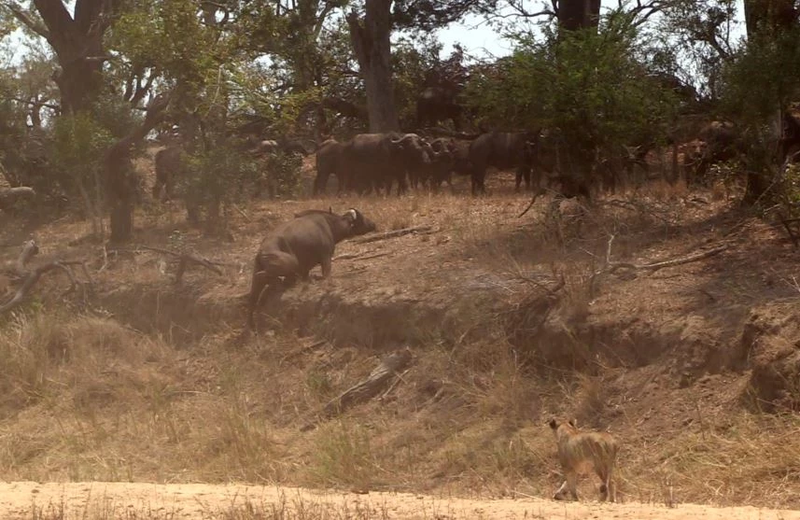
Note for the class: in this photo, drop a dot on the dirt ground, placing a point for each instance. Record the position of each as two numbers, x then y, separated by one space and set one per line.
107 499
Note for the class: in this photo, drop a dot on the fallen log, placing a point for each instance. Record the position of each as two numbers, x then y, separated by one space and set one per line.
379 378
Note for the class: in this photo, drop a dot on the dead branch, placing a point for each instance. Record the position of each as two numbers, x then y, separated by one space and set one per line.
366 389
29 250
635 206
629 269
185 259
685 260
392 234
351 256
304 350
29 278
189 259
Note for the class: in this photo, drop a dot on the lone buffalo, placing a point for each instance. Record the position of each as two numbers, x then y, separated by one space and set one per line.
501 150
297 246
169 165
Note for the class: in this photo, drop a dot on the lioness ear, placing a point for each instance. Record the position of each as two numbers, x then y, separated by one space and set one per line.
553 424
573 423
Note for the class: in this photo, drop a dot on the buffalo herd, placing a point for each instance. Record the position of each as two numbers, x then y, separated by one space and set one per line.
377 162
373 162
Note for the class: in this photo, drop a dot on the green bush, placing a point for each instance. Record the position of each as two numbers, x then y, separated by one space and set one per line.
283 174
79 145
215 178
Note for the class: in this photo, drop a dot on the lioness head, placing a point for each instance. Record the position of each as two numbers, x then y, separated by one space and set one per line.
555 424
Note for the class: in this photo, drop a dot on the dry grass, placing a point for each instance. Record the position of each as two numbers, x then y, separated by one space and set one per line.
150 384
286 507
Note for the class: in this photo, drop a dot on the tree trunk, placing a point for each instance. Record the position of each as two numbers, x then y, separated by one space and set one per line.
120 178
372 47
79 84
765 21
78 44
574 15
766 16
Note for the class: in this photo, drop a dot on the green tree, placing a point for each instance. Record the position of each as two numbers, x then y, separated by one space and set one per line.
589 90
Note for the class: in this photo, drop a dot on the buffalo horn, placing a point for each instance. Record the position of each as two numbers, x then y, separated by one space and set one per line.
406 136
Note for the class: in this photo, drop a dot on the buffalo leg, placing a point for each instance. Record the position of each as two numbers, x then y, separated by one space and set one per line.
402 185
320 183
326 266
478 185
257 287
523 172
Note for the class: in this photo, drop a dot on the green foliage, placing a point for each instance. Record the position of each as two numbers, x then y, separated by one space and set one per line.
79 141
283 174
759 84
587 88
24 142
700 34
410 63
79 144
763 78
790 191
215 178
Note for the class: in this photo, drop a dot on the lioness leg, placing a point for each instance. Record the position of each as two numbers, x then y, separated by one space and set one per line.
570 485
607 488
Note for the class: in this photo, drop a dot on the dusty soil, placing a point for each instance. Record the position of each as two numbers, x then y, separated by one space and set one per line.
84 499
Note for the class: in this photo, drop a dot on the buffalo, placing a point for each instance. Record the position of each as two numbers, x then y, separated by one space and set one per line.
502 150
329 159
448 156
295 247
442 157
271 146
377 160
169 165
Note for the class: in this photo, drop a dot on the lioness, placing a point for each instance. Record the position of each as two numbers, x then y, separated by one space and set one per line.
577 451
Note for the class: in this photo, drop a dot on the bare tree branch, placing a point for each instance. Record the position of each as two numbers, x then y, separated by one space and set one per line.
26 19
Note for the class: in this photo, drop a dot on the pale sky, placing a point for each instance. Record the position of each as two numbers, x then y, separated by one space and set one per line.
479 38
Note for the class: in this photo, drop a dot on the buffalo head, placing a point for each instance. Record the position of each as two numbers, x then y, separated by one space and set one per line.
359 224
411 148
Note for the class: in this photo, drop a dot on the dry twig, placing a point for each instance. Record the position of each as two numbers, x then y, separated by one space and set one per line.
185 259
392 234
533 200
